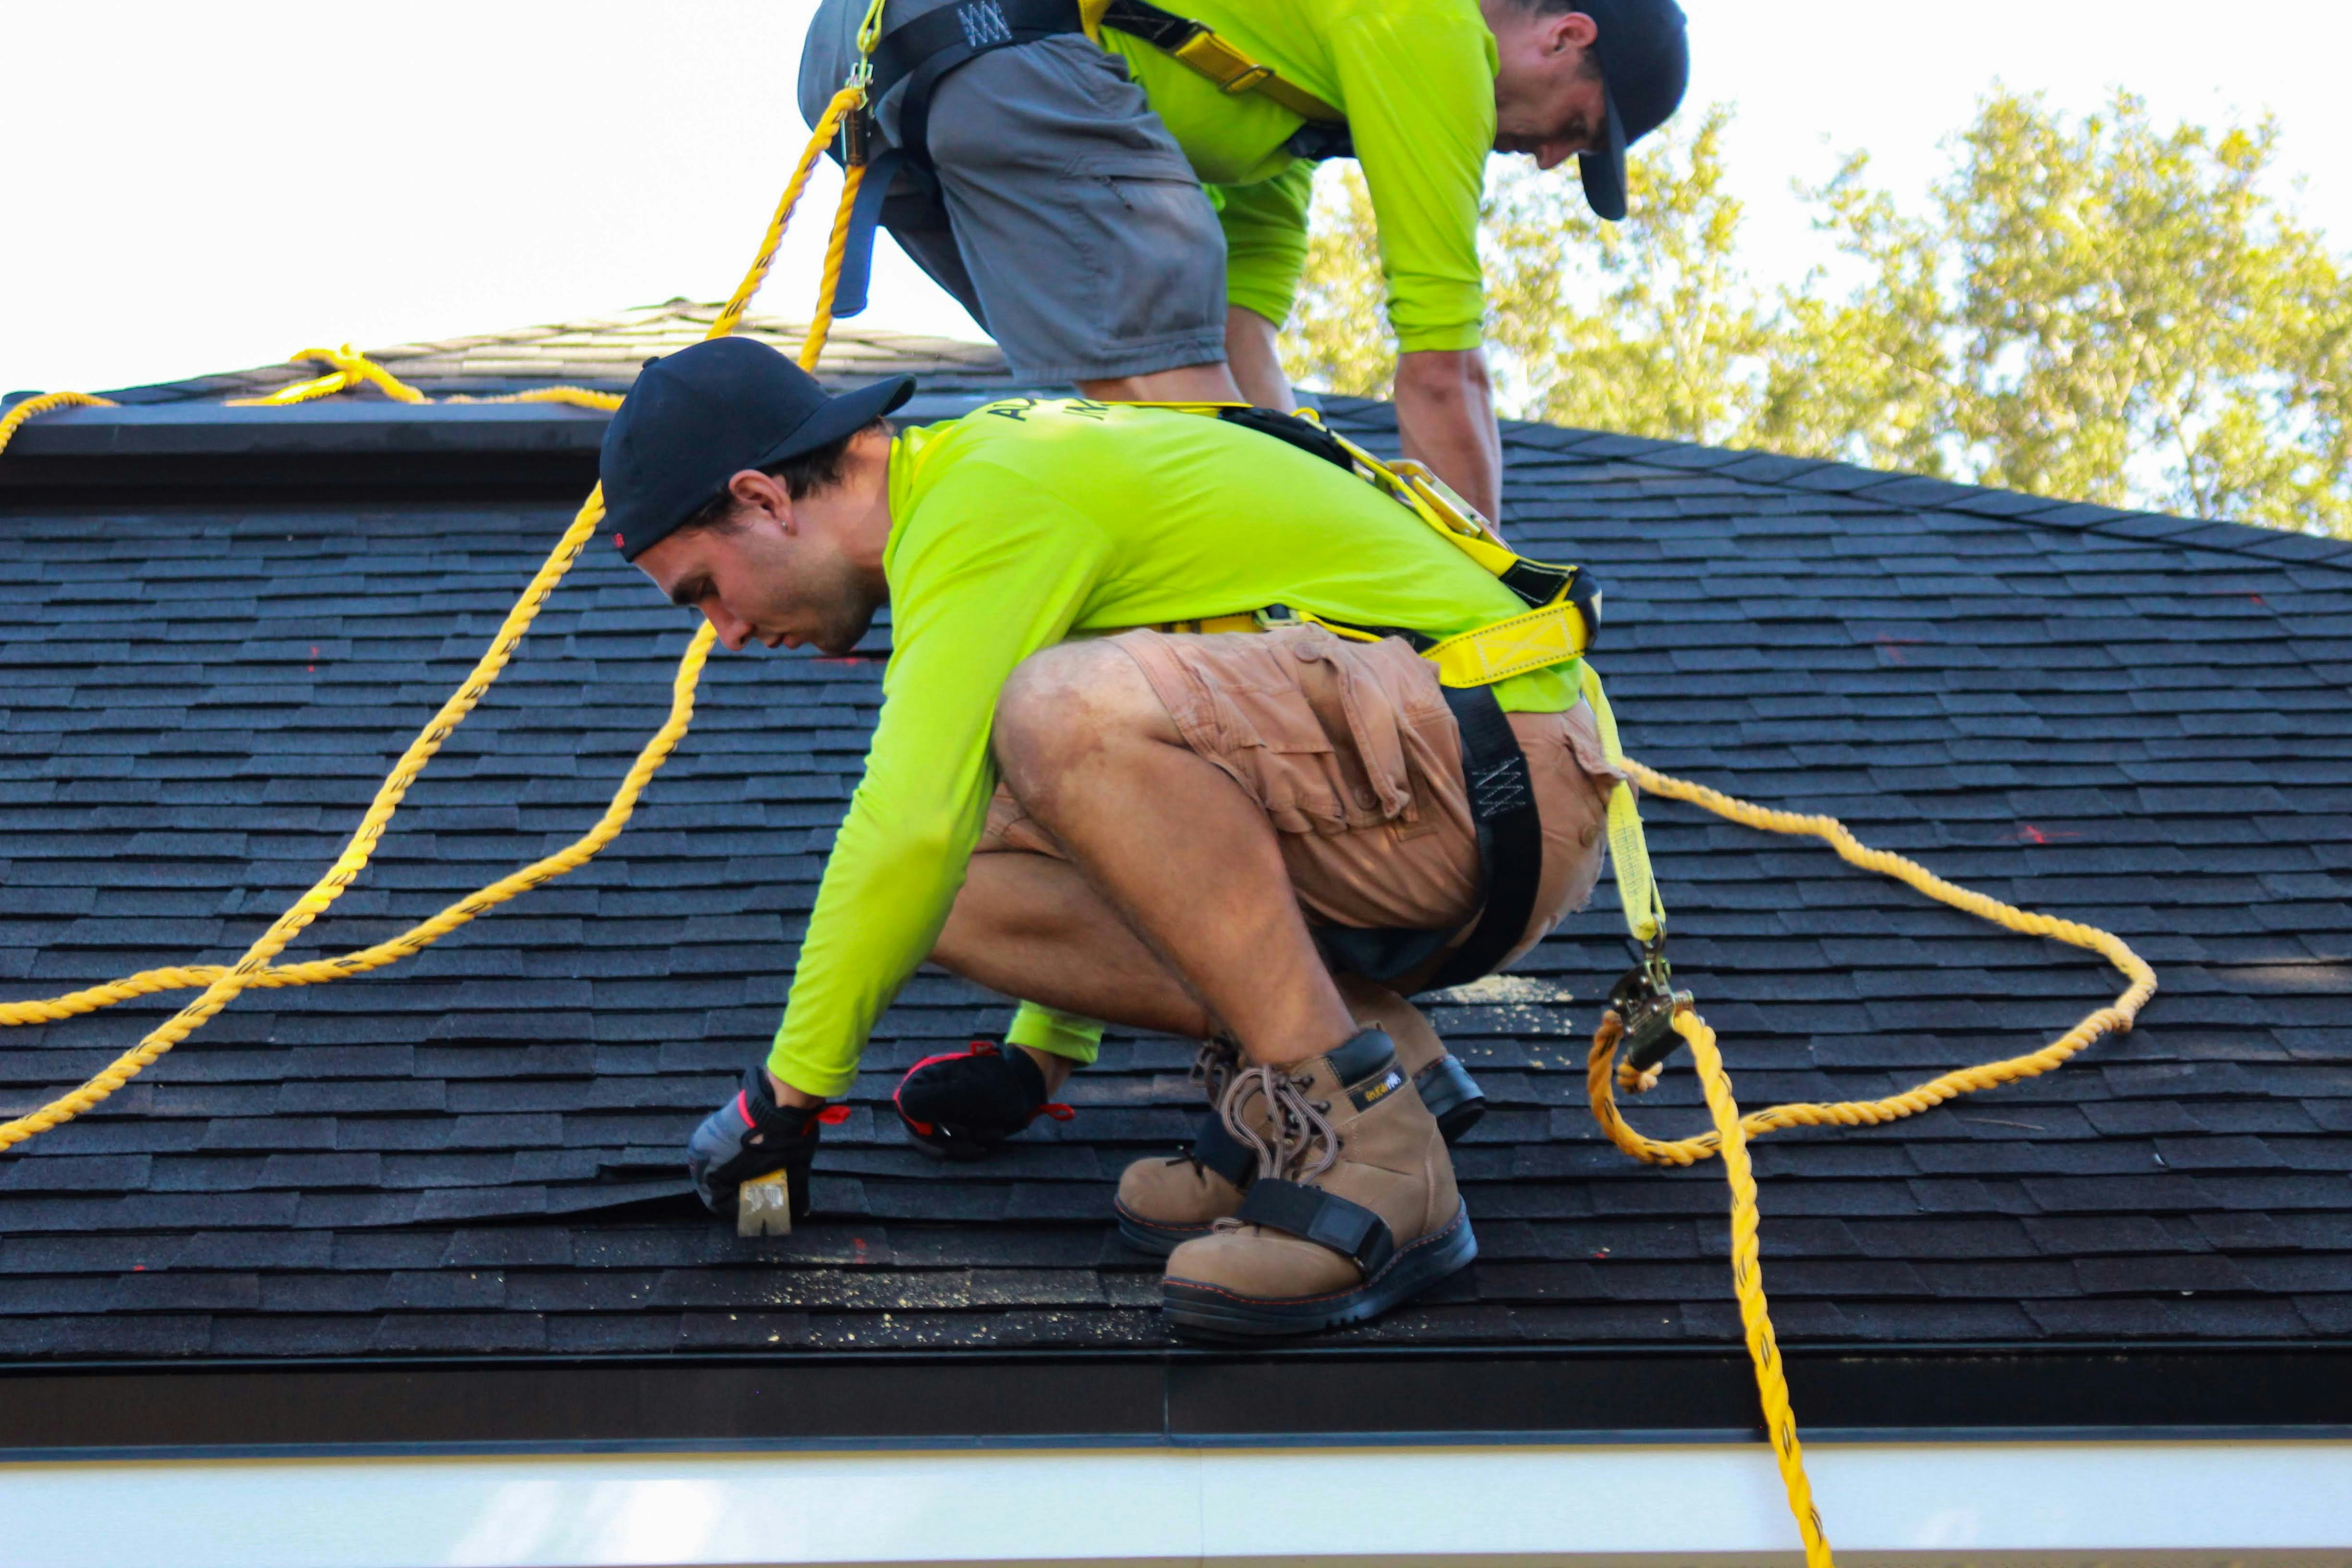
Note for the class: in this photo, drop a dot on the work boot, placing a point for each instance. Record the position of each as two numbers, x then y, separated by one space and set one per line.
1449 1091
1352 1208
1163 1202
964 1105
751 1135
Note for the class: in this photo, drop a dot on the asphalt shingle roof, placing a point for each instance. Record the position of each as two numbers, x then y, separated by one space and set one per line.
2140 721
604 353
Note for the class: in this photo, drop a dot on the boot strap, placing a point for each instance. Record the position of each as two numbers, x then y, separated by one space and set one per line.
1327 1219
1216 1149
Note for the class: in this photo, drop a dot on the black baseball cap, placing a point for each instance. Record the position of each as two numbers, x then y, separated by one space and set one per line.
697 417
1645 51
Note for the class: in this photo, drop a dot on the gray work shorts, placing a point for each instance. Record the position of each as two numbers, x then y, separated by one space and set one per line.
1061 212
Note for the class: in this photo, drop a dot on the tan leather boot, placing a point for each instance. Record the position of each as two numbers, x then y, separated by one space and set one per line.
1449 1091
1164 1202
1352 1209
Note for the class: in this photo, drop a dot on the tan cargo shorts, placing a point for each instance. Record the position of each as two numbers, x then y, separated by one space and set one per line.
1351 751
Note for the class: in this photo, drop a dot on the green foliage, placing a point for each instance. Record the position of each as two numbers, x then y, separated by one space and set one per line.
2096 309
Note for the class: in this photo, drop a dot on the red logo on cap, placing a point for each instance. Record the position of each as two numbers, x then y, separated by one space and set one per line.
619 543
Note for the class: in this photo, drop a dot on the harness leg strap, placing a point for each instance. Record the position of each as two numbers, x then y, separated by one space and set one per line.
857 251
1511 834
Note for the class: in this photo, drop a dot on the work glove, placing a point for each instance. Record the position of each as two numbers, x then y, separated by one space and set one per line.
751 1135
964 1105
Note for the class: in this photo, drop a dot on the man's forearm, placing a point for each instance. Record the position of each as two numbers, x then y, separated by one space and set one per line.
1445 415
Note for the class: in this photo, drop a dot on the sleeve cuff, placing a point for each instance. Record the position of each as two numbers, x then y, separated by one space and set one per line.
1064 1035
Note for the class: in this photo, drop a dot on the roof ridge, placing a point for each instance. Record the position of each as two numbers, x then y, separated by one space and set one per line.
1777 471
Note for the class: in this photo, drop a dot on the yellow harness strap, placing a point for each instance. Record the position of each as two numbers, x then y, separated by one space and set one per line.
1197 45
1549 635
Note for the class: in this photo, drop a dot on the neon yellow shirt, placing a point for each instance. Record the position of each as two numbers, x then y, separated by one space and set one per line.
1416 81
1026 523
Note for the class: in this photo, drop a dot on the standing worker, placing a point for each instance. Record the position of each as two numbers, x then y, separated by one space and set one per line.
1118 192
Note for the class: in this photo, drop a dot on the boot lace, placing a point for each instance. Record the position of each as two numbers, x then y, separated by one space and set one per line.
1299 1126
1213 1065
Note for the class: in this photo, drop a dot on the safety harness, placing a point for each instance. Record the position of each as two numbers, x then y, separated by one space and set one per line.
920 53
1561 621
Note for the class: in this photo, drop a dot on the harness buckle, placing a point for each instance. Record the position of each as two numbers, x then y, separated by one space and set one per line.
1644 1000
1246 79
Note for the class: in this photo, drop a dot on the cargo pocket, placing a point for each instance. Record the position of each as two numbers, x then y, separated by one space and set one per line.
1355 693
1269 739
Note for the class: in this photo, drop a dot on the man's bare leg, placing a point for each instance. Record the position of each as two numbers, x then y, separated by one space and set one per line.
1170 842
1032 927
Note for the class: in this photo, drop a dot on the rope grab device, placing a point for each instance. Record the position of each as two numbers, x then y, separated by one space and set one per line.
1646 1019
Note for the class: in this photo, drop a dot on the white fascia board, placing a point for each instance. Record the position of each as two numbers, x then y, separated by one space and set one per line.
1950 1505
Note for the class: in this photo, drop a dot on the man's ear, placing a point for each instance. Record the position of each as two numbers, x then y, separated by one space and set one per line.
761 495
1574 30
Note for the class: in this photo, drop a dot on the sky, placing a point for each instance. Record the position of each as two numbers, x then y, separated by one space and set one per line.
195 189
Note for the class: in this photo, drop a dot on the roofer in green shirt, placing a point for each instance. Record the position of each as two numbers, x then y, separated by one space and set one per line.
1197 722
1119 191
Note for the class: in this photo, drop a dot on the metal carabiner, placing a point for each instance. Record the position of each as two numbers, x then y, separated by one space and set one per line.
1644 1001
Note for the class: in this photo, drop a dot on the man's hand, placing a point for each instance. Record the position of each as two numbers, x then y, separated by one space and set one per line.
752 1134
1445 415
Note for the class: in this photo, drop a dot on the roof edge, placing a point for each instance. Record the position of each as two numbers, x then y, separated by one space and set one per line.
1522 1393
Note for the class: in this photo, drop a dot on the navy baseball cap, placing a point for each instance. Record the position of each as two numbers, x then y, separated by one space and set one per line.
1645 51
697 417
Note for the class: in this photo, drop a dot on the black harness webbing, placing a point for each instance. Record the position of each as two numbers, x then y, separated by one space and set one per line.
1511 834
918 53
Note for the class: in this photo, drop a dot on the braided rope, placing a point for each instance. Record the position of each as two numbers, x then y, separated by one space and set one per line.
1733 1130
1601 1082
222 985
13 420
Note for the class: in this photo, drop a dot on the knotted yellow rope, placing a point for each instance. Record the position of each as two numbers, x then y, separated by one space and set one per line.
349 370
223 984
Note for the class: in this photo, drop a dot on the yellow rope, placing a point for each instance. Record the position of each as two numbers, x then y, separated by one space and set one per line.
13 420
349 370
2112 1019
417 938
1733 1130
223 984
1748 1286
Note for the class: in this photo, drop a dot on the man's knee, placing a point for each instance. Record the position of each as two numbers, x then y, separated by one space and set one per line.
1064 702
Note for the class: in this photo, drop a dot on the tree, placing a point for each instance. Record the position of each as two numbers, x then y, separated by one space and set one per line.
1647 325
2096 309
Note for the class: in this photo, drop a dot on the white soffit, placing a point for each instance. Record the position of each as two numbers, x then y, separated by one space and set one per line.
1944 1504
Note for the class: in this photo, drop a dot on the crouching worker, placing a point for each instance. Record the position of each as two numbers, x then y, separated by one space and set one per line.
1068 800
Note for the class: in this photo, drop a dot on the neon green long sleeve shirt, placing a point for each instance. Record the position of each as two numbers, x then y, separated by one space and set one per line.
1021 525
1416 81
